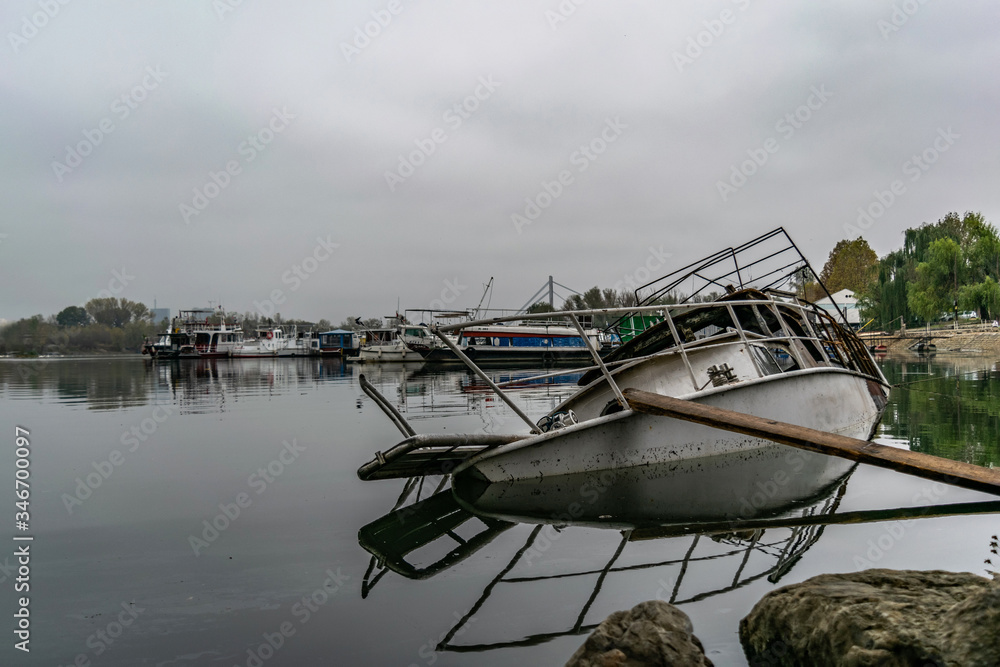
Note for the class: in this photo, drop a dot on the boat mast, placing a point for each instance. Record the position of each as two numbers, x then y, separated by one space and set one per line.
475 315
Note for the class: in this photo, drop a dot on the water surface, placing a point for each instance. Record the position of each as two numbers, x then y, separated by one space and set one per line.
130 460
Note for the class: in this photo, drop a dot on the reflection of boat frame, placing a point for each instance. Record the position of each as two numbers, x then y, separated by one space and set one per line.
788 550
406 529
778 541
391 546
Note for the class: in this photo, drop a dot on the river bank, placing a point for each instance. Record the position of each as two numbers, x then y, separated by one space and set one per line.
987 342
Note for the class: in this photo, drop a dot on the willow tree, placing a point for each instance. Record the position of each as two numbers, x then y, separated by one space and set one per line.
935 290
902 290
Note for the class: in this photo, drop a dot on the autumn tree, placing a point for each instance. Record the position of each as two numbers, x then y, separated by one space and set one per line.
851 265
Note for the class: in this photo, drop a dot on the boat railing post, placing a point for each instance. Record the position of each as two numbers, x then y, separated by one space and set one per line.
817 341
599 361
788 332
475 369
746 341
833 338
680 346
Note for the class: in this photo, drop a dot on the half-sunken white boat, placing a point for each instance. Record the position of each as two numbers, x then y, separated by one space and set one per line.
755 350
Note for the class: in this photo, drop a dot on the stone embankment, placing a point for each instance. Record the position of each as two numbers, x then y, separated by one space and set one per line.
877 617
986 342
653 634
898 618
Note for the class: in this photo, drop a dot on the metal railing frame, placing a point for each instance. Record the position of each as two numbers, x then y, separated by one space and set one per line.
830 344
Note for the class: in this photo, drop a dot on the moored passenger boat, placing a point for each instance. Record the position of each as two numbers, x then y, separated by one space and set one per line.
197 334
265 343
509 346
402 342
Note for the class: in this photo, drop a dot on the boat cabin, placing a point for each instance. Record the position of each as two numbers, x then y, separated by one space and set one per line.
339 341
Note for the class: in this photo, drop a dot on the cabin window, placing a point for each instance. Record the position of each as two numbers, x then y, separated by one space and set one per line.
530 341
568 341
766 359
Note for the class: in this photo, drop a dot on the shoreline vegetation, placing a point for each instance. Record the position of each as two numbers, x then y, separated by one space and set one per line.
944 268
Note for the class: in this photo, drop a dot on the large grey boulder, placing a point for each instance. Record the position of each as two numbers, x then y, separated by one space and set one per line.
877 617
650 633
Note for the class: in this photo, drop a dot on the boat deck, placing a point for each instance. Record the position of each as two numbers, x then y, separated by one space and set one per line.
430 455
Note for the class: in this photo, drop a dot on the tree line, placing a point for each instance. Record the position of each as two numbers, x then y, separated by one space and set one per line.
943 267
101 325
108 325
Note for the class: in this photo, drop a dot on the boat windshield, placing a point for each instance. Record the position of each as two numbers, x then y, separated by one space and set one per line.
772 327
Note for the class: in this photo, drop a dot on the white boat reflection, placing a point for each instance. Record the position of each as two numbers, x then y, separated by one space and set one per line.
679 553
454 524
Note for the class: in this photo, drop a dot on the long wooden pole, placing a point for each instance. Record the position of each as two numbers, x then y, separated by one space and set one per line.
855 517
927 466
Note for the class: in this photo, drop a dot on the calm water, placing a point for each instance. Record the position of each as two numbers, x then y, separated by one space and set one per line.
130 460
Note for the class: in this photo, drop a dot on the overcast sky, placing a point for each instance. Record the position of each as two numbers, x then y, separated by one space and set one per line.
197 151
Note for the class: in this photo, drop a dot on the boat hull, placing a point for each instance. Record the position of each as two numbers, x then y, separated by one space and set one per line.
391 352
829 400
165 354
774 480
253 352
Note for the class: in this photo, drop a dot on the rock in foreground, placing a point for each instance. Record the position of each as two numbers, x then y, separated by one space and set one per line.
652 633
877 617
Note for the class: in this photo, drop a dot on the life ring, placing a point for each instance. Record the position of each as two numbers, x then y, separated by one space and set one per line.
269 335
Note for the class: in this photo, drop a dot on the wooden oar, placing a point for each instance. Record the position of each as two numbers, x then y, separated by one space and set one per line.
927 466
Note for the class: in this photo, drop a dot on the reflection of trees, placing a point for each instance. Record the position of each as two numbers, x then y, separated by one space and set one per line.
944 410
203 384
105 384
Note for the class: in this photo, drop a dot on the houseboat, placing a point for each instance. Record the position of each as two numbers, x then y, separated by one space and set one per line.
197 334
511 346
339 342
